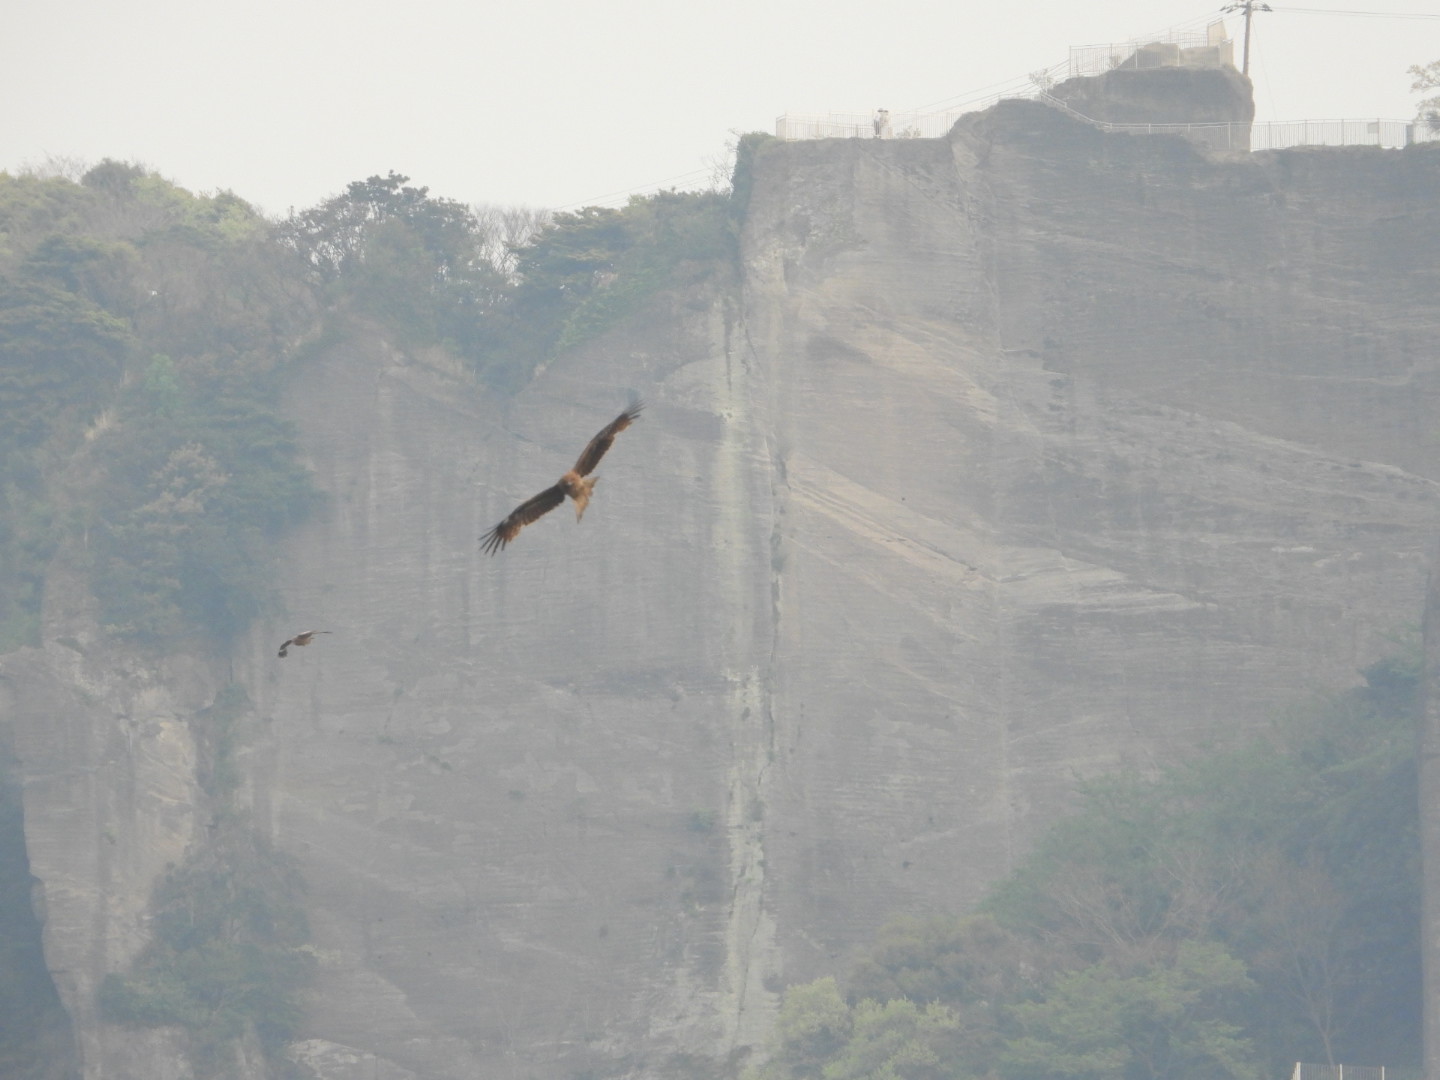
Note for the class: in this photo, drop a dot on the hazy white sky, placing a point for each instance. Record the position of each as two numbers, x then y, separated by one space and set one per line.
560 102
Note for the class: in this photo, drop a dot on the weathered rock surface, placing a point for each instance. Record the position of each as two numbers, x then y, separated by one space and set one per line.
1011 457
108 763
1175 95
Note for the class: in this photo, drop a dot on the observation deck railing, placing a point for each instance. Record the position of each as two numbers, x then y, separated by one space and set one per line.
1233 135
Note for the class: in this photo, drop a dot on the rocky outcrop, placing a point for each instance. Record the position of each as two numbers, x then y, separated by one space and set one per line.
1171 95
1010 457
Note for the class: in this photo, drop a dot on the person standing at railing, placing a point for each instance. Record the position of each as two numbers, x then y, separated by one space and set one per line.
882 123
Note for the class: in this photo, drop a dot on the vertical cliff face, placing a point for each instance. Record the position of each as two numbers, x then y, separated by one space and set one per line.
1009 457
521 786
1430 819
102 743
36 1036
1082 462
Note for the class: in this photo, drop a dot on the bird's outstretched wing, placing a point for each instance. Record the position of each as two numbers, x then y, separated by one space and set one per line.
302 638
592 454
522 515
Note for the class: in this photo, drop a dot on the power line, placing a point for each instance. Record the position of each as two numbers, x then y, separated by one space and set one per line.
1358 14
980 92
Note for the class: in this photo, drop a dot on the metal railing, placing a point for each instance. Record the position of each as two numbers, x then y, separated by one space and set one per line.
1274 134
1390 134
1210 48
1234 135
1306 1071
907 125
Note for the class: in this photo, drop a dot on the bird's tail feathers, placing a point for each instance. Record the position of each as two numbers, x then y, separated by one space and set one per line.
582 500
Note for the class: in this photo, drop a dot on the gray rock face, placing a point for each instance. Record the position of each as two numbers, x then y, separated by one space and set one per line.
1079 467
110 793
1012 457
1429 792
1174 95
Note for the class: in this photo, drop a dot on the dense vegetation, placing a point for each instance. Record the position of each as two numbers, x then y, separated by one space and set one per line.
140 329
1236 914
431 270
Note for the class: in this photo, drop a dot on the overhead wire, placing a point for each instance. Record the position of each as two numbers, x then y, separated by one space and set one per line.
1353 13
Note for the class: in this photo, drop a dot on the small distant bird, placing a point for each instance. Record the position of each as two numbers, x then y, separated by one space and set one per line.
299 639
573 483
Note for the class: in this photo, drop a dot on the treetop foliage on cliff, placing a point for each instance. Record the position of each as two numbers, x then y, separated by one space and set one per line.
139 329
1223 919
504 291
1427 78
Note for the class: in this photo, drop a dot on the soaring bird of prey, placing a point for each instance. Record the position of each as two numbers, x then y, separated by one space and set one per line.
573 483
300 639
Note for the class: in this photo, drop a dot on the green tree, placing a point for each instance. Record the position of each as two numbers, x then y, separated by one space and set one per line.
586 271
1427 78
58 352
419 264
190 505
900 1040
813 1025
100 271
141 330
972 965
1174 1021
954 959
1215 850
1219 920
33 207
336 237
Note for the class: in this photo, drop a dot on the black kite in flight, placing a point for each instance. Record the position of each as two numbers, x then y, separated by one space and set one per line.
299 639
573 483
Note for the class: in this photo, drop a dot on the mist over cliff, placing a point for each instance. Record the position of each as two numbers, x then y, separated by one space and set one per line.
994 461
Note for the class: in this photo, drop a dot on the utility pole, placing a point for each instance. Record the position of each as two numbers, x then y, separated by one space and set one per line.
1249 7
